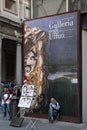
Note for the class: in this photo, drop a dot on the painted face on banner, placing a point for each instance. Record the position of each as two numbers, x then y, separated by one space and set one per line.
30 63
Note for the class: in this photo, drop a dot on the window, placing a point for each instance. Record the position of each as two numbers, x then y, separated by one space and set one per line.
78 5
10 5
26 11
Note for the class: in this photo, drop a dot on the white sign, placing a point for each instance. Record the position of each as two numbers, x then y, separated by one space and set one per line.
28 90
25 102
26 96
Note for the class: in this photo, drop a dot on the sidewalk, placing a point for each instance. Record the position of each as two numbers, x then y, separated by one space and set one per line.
43 125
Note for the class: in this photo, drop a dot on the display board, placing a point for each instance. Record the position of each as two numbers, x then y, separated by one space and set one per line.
26 96
51 57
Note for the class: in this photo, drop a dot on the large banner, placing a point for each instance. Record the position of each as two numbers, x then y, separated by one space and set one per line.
51 58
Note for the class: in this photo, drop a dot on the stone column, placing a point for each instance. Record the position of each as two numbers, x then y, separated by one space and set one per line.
84 76
21 10
0 58
18 64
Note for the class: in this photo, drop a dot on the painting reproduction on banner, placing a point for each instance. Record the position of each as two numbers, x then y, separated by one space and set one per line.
50 47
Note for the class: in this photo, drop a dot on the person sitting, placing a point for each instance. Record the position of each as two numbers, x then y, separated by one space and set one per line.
54 108
5 101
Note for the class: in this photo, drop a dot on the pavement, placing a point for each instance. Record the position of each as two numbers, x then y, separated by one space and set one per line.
42 124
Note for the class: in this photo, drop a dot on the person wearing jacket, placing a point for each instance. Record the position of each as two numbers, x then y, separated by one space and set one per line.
54 107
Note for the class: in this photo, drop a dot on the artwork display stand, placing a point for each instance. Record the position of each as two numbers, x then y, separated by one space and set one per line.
25 102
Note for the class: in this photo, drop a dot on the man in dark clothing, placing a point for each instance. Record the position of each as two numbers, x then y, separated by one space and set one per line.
16 91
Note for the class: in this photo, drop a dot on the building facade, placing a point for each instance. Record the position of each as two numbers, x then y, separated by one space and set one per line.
12 14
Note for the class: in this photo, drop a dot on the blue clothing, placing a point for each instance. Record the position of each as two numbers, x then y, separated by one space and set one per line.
6 108
53 110
6 102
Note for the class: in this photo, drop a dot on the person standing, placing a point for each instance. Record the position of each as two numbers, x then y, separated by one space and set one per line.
16 91
5 101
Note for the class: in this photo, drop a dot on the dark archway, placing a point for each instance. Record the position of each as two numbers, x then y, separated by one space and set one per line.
8 59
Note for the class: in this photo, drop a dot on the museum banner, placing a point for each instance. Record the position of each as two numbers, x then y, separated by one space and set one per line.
51 48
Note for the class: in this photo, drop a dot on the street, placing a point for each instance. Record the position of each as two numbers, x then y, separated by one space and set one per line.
43 124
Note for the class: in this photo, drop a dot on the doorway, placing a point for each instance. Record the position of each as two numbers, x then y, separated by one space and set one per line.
8 59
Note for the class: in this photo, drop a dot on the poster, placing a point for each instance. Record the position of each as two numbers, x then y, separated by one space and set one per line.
25 102
51 49
57 36
26 96
28 90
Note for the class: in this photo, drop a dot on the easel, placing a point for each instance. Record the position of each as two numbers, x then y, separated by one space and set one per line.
25 102
33 123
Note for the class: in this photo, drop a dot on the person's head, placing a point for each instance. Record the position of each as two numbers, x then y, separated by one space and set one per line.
5 89
16 87
53 100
